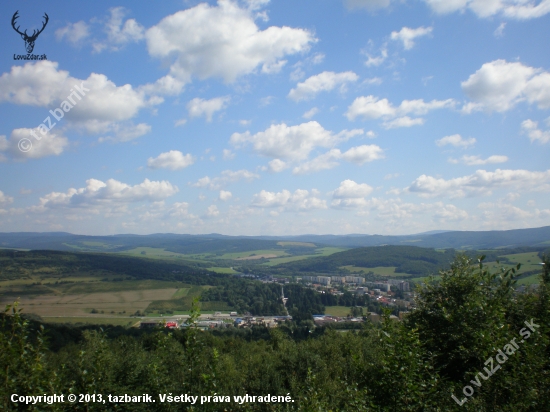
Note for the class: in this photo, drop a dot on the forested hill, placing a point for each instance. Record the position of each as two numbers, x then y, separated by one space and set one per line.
17 264
220 244
412 260
407 259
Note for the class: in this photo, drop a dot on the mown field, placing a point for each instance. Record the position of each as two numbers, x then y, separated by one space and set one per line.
337 310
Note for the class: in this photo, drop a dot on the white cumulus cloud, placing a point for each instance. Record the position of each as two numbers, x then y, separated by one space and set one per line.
515 9
173 160
111 192
292 143
358 155
480 183
201 107
500 85
74 33
325 81
407 35
534 133
371 107
477 160
226 177
455 140
225 195
97 108
118 31
32 144
225 42
300 200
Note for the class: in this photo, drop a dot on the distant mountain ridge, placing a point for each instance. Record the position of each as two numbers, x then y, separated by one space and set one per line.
217 243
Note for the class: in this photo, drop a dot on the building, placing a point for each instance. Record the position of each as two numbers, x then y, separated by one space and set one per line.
323 280
149 324
404 286
355 279
383 286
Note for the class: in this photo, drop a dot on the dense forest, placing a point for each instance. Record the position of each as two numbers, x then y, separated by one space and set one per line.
15 264
412 260
248 296
457 348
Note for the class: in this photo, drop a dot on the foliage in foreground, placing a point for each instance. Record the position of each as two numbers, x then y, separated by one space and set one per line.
415 365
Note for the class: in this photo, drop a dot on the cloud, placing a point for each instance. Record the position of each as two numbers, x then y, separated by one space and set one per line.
449 213
277 165
370 5
515 9
350 195
404 121
534 133
74 33
300 200
407 35
97 108
211 212
358 155
310 113
325 161
173 160
200 107
481 183
5 199
226 177
455 140
499 31
228 154
109 193
120 132
476 160
377 61
371 107
225 195
350 189
292 143
363 154
226 42
119 32
165 86
323 82
32 144
500 85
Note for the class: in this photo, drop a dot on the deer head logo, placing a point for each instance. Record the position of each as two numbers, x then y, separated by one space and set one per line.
29 40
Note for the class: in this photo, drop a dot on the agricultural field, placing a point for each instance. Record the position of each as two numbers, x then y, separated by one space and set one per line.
254 253
338 310
388 271
181 302
89 304
93 320
529 280
299 244
278 261
529 261
323 251
222 270
162 254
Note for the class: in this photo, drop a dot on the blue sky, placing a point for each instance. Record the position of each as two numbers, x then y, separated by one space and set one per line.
276 117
